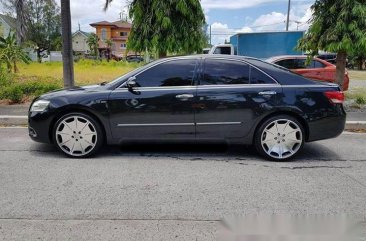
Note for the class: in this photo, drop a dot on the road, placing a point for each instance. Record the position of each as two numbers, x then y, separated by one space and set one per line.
170 192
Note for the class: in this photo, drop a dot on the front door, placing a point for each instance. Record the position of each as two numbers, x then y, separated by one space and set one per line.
159 107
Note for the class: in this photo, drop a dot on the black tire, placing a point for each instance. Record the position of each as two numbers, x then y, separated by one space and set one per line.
96 141
263 149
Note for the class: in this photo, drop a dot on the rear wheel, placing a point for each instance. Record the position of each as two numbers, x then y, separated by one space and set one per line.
78 135
280 138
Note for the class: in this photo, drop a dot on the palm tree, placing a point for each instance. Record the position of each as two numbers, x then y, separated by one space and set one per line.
11 53
67 54
21 27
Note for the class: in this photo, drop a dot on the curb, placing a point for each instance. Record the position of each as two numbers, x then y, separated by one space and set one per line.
356 125
14 120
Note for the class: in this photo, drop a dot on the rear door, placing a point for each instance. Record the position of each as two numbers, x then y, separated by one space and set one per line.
231 95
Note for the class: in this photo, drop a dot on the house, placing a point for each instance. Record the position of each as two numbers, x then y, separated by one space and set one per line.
7 25
80 42
117 32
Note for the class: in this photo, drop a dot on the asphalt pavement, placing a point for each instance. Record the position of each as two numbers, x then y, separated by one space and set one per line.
168 192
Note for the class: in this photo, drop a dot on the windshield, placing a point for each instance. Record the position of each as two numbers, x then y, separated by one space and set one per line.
127 75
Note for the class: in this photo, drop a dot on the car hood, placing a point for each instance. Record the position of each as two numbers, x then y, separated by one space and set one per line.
72 91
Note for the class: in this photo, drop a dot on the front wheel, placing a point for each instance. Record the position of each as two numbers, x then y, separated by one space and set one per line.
280 138
78 135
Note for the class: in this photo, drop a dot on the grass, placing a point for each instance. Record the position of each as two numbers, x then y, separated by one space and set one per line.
356 94
86 71
357 74
37 78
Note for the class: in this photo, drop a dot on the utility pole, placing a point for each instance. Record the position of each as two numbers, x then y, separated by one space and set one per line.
288 15
210 35
298 23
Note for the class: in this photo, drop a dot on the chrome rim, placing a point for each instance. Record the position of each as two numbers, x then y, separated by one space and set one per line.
76 136
281 139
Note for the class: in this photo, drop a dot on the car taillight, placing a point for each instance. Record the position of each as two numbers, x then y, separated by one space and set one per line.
336 97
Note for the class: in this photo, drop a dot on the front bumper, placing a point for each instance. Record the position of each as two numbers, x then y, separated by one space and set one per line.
39 126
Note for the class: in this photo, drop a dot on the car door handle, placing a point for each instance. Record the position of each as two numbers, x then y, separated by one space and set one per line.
267 92
184 96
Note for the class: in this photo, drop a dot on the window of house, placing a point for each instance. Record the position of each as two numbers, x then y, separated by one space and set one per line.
123 34
123 45
104 34
172 73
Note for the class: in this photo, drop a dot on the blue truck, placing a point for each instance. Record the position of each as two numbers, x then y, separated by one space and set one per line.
261 45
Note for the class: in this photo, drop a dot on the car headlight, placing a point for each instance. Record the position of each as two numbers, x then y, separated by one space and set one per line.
39 105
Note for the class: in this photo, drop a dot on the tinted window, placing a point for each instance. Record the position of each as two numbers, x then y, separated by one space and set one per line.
317 64
301 64
294 64
258 77
172 73
223 50
224 72
287 63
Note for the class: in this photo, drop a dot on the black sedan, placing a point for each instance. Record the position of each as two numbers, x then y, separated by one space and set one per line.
194 98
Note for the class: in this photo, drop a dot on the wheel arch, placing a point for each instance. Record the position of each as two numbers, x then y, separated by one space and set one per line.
79 109
293 114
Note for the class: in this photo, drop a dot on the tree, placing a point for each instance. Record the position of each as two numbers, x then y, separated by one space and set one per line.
21 21
93 42
38 22
17 7
109 44
174 26
11 53
67 54
44 27
336 26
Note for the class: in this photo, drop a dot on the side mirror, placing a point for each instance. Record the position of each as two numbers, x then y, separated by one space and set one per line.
131 83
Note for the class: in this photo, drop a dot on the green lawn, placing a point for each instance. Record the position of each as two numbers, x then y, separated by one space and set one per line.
86 71
357 74
37 78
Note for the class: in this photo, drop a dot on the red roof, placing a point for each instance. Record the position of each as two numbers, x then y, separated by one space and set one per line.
117 24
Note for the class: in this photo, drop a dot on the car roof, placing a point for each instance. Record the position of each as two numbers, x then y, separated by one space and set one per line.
280 74
274 58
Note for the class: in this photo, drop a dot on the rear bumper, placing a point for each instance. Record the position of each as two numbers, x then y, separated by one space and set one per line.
328 127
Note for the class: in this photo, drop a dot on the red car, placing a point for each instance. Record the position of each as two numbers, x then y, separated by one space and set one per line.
318 69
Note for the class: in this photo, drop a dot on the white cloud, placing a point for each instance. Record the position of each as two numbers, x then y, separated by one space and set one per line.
222 32
274 21
269 21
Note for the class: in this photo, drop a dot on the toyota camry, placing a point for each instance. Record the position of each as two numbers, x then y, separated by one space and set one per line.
196 98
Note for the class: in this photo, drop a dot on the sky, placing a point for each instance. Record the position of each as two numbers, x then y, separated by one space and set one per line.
226 17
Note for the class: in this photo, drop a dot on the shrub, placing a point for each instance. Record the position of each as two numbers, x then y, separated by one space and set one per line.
361 100
5 77
15 90
13 93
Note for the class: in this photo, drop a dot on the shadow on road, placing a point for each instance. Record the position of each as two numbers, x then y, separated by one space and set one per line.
311 151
